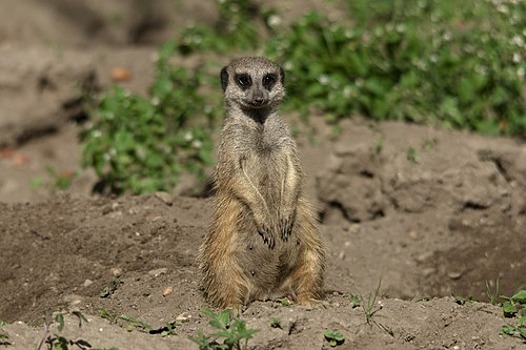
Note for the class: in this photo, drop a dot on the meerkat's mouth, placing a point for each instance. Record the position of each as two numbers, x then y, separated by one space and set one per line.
256 103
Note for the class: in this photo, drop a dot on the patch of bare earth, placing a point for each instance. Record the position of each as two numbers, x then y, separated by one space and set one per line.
427 214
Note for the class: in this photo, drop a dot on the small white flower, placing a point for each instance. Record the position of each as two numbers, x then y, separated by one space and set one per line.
516 57
517 40
324 79
198 39
274 21
347 91
197 144
481 70
188 136
421 64
502 8
521 72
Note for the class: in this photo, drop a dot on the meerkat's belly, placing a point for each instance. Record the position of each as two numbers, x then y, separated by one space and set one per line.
265 268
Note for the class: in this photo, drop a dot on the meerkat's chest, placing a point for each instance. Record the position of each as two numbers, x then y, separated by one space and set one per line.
266 167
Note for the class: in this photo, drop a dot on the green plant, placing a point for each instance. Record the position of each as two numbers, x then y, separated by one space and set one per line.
228 333
412 155
435 62
355 300
141 144
493 292
36 183
285 302
461 300
334 338
429 144
515 306
236 27
111 288
368 304
378 145
4 337
131 323
61 180
275 322
56 341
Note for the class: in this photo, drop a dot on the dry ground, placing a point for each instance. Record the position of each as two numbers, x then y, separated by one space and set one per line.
432 214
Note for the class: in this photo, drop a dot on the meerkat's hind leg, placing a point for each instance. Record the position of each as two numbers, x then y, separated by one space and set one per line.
225 289
223 279
306 276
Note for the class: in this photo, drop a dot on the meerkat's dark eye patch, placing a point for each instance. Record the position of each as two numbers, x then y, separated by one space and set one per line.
269 80
243 80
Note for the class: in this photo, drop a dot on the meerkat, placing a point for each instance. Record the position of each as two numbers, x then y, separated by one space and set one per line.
264 240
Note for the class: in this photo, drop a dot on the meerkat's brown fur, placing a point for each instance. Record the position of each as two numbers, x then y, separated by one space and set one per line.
264 240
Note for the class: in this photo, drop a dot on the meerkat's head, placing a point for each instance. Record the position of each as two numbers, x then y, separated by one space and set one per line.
253 83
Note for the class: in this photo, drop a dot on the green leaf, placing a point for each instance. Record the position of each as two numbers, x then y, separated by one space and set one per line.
358 65
519 297
334 337
466 90
509 309
355 299
508 330
375 86
59 318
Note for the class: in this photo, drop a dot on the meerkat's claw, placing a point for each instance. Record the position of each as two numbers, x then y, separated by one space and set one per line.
286 228
267 238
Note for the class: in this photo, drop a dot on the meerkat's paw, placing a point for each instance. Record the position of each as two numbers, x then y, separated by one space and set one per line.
268 238
286 225
311 303
235 310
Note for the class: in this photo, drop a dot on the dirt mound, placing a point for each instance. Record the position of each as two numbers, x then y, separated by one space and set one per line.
452 202
422 213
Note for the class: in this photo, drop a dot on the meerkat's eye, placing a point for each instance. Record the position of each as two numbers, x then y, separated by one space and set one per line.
269 80
243 80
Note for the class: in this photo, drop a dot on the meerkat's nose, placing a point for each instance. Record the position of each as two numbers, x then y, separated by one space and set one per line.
259 101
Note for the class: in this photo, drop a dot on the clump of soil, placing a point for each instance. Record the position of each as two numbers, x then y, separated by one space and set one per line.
431 217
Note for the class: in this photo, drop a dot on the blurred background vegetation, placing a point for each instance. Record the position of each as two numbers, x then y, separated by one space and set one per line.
445 63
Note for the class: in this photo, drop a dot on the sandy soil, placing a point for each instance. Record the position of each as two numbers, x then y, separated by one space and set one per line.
428 215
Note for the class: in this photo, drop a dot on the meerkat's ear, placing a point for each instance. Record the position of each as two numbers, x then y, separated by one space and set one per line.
282 74
224 78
